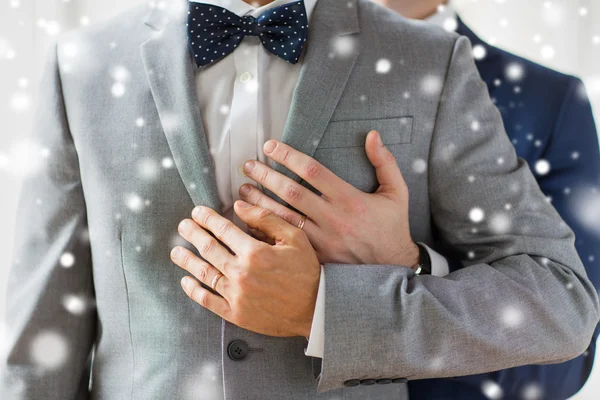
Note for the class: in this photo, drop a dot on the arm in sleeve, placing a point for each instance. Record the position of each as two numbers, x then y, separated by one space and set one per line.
48 347
314 348
573 185
523 296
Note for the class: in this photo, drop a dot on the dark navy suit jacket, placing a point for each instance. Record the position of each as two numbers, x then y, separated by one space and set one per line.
547 116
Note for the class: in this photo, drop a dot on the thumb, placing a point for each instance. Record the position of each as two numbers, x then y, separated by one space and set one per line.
389 176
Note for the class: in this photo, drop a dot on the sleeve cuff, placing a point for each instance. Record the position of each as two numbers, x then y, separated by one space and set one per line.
439 264
316 340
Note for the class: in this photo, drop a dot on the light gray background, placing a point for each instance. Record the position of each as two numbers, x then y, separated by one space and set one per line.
562 34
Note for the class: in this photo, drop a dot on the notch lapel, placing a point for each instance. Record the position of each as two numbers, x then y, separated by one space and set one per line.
170 71
322 78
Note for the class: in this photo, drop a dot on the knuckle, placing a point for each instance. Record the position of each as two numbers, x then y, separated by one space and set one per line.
263 175
223 229
263 213
200 297
358 206
313 169
260 201
203 273
287 216
185 260
285 154
206 247
291 192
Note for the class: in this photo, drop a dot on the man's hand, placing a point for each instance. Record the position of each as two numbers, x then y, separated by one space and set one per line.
268 289
344 224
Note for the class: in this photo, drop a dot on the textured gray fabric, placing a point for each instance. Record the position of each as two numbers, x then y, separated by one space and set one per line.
152 342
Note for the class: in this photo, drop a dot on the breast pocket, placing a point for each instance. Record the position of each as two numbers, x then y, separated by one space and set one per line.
342 147
353 133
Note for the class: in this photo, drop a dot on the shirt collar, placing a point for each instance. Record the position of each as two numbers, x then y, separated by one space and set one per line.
443 14
241 8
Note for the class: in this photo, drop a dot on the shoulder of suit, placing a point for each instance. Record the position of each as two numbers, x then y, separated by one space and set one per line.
125 28
534 73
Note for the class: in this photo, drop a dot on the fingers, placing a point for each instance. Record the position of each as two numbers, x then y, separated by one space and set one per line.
222 228
200 269
256 197
205 298
388 173
309 169
267 222
289 190
207 246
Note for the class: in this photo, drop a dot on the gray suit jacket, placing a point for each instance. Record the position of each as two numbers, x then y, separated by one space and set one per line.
522 297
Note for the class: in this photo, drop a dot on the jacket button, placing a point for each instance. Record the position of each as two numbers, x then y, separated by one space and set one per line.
367 382
383 381
400 380
352 382
237 350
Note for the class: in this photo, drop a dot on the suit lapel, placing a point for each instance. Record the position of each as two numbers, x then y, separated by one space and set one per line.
322 78
170 72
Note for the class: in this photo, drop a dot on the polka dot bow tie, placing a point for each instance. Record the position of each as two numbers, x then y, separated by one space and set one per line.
214 32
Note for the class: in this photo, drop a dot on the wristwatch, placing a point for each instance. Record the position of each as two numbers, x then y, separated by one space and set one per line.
424 266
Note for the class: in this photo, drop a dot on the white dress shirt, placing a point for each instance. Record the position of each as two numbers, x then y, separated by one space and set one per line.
244 101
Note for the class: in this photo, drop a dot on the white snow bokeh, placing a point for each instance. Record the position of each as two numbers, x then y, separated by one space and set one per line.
419 166
343 46
492 390
499 223
512 317
20 102
121 76
479 52
23 158
67 260
431 85
585 204
167 163
49 350
205 383
476 215
75 304
542 167
515 72
134 202
148 168
383 66
532 391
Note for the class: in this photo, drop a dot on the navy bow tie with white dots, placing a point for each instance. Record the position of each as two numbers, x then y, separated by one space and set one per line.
214 32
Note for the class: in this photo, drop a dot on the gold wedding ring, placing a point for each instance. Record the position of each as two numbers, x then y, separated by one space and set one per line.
215 280
301 222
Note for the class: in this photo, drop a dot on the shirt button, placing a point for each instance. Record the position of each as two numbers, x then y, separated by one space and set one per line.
352 382
245 77
383 381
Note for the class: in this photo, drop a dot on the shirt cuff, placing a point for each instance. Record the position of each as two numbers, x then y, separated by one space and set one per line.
316 340
439 264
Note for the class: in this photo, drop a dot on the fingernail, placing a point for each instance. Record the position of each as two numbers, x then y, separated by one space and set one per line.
245 189
175 252
243 204
183 224
196 212
379 139
185 281
248 166
270 146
